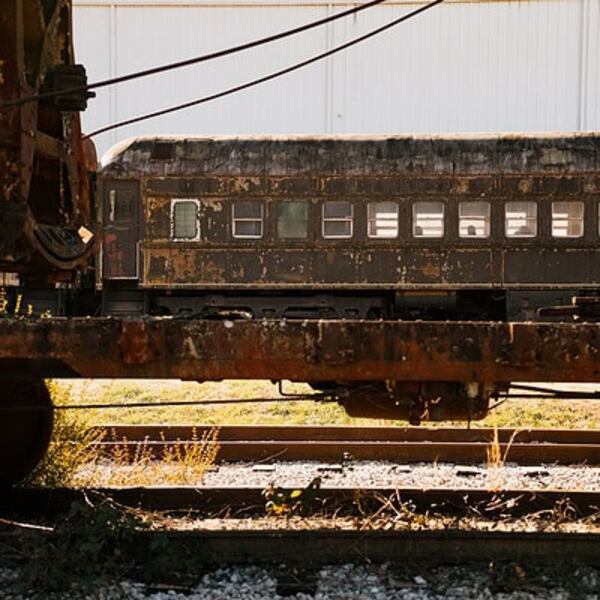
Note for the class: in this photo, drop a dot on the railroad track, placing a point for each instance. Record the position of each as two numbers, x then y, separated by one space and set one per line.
326 443
327 544
324 501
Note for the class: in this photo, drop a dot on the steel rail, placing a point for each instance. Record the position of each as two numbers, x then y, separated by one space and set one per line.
331 546
313 548
250 501
270 443
338 433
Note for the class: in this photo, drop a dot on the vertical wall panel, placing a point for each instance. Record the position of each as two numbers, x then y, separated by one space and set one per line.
529 65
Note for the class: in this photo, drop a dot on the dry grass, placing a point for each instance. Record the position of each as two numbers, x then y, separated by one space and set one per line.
74 458
495 457
182 464
72 445
568 414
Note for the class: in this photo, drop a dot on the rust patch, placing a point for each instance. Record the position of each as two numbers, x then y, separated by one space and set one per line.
431 270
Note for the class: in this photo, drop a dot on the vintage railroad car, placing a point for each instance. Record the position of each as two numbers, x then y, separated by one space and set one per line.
482 227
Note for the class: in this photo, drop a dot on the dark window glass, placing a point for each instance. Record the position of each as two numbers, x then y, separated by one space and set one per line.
121 206
292 220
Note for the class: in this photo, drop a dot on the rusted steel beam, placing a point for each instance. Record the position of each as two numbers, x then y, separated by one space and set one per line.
303 350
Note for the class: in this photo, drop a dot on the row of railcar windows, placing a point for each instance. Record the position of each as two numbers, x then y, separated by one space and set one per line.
337 219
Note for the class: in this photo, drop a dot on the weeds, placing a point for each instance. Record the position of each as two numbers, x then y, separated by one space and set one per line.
182 463
91 544
72 445
74 458
495 458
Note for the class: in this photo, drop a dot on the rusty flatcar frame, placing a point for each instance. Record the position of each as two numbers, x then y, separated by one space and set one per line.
301 350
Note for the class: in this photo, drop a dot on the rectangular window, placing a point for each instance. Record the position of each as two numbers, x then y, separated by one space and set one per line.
292 220
121 206
248 216
185 222
474 219
337 219
383 220
520 219
567 219
428 219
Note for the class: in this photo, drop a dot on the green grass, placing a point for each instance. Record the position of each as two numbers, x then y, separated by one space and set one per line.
513 413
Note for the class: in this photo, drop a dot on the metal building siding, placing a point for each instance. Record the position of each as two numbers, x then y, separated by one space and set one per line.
530 65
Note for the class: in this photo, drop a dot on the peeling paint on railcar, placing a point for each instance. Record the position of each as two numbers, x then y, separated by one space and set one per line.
218 171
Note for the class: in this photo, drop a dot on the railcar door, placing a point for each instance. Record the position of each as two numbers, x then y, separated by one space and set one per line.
121 219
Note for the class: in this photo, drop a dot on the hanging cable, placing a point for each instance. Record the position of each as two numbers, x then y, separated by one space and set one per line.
266 78
191 61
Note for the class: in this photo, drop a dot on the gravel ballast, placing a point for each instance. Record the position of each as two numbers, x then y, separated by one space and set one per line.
365 474
355 582
372 474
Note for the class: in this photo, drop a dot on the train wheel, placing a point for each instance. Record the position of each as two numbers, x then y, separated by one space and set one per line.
24 434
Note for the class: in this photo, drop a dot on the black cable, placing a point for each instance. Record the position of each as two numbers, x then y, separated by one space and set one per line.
266 78
194 60
304 398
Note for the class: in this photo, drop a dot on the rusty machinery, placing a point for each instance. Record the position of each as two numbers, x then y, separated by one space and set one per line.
47 224
46 214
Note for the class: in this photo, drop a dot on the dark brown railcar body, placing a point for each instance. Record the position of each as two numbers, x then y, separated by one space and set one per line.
453 275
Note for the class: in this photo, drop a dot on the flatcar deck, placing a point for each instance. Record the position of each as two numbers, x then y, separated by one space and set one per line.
313 350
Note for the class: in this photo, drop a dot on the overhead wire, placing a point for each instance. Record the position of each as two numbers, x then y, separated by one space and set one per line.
268 77
193 60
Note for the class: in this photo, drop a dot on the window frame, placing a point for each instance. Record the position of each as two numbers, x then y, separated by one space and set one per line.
374 219
581 219
487 234
196 202
337 220
235 220
536 218
413 220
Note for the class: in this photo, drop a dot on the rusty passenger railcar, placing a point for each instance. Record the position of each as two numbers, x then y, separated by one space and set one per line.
483 227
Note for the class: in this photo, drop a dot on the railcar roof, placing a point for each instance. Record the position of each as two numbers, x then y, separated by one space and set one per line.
181 155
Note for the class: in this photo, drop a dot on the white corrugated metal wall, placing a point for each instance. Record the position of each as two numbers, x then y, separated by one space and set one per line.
511 65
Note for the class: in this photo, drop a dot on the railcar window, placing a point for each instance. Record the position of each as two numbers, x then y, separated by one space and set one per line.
520 219
338 219
292 220
248 217
428 219
474 219
185 223
121 206
383 220
567 219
